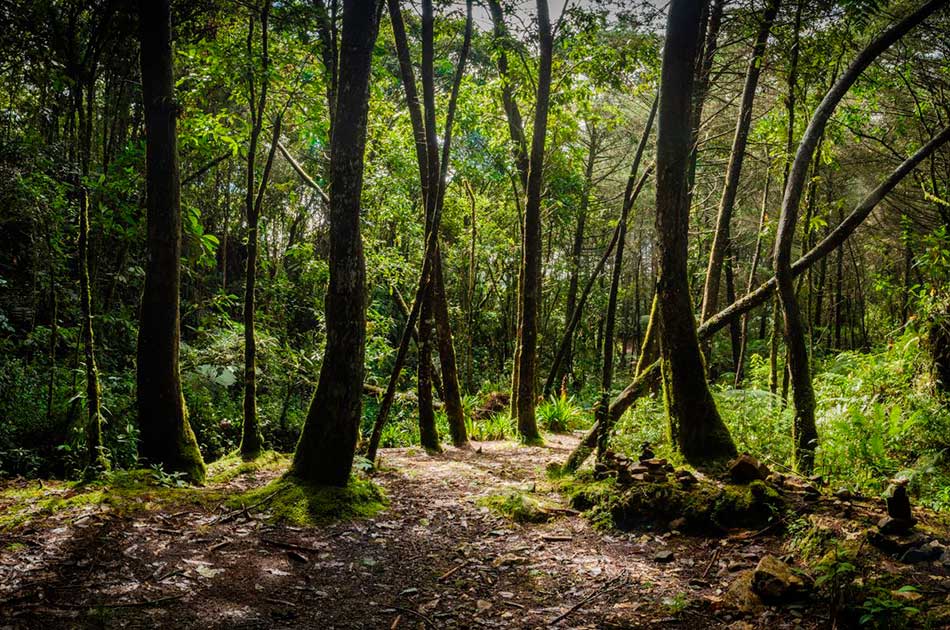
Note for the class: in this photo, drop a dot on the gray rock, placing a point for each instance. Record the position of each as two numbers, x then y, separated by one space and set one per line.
898 503
664 556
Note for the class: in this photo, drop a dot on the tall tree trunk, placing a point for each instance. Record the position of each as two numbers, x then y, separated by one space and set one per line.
805 432
530 298
721 238
577 247
695 426
252 442
422 155
327 444
753 267
165 435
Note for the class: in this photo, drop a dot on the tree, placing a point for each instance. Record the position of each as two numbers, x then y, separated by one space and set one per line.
166 437
252 442
805 431
721 238
327 445
696 428
530 293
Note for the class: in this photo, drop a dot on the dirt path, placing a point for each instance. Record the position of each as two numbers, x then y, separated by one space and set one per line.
434 558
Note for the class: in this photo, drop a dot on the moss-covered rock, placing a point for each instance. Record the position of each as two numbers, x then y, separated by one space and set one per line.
704 505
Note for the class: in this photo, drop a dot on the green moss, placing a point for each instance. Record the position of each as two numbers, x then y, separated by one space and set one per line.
704 505
520 507
122 492
234 465
289 500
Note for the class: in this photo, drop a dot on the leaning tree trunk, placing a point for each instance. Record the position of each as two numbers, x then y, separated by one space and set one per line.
696 428
721 238
166 437
804 429
327 444
764 291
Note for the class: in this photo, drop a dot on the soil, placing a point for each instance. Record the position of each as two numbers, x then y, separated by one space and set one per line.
434 558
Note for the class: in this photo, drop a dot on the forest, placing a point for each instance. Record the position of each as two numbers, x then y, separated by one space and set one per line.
475 313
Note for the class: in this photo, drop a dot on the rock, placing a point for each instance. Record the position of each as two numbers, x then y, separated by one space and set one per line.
844 494
774 581
895 543
898 503
685 477
741 595
891 525
746 468
921 554
678 523
653 463
664 556
646 451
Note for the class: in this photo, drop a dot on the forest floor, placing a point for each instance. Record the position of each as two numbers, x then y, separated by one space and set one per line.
434 557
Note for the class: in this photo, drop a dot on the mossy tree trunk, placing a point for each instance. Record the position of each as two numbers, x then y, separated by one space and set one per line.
696 428
327 443
166 437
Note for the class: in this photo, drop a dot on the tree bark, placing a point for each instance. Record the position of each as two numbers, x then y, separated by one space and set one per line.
252 442
696 428
327 444
165 435
530 298
431 245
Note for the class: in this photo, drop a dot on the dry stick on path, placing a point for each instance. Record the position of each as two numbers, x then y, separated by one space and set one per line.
432 239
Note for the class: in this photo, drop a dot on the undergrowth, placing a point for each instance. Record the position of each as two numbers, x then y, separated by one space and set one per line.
877 416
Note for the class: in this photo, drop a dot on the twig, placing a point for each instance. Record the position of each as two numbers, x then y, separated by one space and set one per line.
712 561
452 571
418 614
608 586
287 545
244 508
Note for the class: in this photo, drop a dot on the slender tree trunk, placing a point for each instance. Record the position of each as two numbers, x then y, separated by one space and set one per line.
428 433
327 444
252 442
577 248
756 256
721 238
422 154
695 426
531 254
165 435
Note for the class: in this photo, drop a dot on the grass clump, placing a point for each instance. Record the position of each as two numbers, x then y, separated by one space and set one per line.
289 500
520 507
560 414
